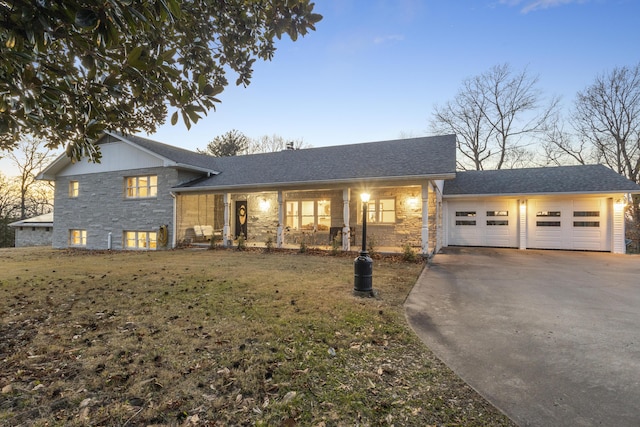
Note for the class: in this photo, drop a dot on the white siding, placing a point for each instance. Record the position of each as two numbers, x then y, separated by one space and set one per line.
116 156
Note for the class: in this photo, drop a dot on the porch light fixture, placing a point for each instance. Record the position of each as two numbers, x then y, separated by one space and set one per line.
363 264
264 205
413 202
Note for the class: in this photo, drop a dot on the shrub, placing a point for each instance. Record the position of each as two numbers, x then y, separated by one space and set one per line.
241 243
408 254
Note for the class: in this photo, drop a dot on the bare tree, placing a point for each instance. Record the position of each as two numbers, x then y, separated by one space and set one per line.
273 143
607 116
495 116
29 157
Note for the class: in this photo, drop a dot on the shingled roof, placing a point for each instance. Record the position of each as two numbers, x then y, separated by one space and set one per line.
586 179
383 161
179 156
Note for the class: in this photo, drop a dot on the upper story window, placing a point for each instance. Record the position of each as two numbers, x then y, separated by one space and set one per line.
74 188
77 237
141 186
308 214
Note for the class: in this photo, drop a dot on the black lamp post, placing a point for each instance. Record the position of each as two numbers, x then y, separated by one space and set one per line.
363 264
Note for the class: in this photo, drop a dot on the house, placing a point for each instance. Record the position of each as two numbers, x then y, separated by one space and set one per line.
149 195
35 231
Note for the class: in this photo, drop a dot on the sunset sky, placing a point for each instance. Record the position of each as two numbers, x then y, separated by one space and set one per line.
374 69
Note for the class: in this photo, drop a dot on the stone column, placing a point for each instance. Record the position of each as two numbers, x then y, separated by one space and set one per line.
346 230
226 229
280 232
425 218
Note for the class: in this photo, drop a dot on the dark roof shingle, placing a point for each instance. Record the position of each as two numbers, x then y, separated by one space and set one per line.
545 180
415 157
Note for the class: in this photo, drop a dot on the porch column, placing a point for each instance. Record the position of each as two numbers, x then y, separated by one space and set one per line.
346 230
280 232
522 244
226 229
425 218
618 233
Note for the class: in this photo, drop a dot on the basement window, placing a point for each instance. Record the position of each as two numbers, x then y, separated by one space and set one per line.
77 237
140 240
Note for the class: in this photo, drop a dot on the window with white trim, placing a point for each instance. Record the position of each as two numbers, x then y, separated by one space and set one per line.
146 240
74 188
308 215
77 237
137 187
466 214
380 211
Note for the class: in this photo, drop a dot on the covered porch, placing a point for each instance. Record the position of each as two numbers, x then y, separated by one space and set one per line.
322 218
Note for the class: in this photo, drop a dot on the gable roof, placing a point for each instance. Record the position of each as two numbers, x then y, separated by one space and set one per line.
177 157
171 156
585 179
382 161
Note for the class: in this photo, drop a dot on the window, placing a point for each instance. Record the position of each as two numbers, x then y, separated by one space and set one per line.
381 211
141 186
548 223
308 215
586 213
497 213
548 213
465 214
74 187
77 237
586 223
497 222
140 239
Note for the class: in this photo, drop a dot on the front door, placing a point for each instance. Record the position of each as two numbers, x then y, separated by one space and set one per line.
241 219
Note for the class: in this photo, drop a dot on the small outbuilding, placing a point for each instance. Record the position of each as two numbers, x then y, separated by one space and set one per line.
35 231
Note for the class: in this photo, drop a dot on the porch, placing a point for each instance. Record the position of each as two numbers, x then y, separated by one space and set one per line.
326 219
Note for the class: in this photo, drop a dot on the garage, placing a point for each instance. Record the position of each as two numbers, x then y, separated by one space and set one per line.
577 224
483 223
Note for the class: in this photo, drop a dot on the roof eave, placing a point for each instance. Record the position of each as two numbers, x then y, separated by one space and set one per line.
559 193
408 179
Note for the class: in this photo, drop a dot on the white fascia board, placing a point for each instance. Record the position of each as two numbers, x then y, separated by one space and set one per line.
521 195
406 180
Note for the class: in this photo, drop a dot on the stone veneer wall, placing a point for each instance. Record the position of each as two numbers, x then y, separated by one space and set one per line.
33 236
408 225
101 207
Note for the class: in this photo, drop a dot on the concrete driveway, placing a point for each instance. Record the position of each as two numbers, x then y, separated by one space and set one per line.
552 338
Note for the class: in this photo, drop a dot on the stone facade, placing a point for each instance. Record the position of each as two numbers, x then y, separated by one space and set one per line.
33 236
262 210
101 207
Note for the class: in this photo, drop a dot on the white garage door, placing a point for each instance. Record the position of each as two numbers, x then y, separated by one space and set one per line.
580 224
483 223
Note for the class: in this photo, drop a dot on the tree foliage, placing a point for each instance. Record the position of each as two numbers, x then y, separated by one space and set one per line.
491 114
70 69
232 143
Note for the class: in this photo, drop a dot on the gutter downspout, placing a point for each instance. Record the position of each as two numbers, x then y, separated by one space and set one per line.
173 225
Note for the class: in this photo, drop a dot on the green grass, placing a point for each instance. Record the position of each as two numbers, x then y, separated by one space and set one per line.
216 338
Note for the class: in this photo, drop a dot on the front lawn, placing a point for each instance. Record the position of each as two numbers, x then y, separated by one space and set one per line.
216 337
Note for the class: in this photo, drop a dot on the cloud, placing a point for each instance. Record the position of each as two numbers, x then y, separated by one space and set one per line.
534 5
390 38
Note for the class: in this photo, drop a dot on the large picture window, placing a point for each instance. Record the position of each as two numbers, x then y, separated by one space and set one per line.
308 215
141 186
140 239
77 237
381 211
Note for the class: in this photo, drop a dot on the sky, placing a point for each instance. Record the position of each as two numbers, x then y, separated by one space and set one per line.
374 69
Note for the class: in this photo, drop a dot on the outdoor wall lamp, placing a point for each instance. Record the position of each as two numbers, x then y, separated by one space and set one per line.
264 205
363 264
